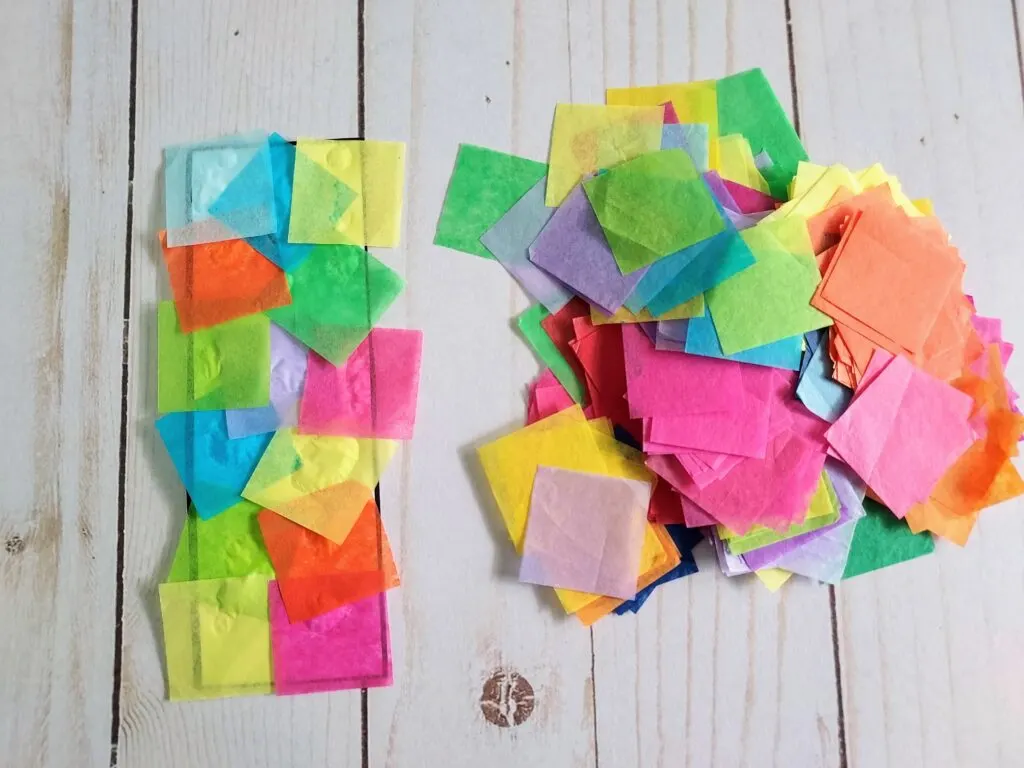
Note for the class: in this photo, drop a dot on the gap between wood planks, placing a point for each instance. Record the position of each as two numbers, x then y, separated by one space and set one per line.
1016 37
364 699
115 695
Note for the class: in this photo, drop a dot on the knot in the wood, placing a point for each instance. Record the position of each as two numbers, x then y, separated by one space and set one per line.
506 699
14 545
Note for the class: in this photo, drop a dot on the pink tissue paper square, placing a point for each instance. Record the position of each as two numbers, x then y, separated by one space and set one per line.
372 394
902 431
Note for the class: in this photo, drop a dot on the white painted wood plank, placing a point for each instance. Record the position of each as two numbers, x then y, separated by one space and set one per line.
711 671
204 69
441 73
63 180
931 669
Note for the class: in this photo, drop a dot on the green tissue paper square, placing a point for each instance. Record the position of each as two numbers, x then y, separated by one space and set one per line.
653 206
747 105
530 326
484 185
338 294
226 366
882 539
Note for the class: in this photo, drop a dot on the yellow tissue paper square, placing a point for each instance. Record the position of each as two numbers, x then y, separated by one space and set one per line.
808 174
814 185
320 482
587 137
695 102
876 176
736 163
568 441
620 460
565 440
813 189
217 638
373 170
773 578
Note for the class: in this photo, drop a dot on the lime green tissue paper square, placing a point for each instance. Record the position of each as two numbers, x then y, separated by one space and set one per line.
224 366
228 545
770 300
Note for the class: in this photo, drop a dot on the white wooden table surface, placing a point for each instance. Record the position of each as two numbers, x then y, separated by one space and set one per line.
919 665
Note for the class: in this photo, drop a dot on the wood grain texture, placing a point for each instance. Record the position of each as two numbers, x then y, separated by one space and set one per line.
931 649
205 69
711 671
64 95
437 74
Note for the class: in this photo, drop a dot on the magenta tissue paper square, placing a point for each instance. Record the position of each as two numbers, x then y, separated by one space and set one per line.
347 648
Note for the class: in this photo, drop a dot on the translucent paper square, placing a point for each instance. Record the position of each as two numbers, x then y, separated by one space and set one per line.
372 171
691 137
702 339
216 638
880 540
585 532
213 283
338 294
689 272
372 394
348 648
219 189
320 200
903 431
226 366
694 103
657 558
213 468
276 246
573 248
319 482
315 575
